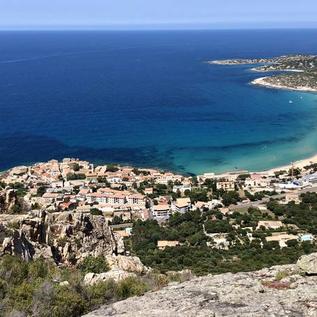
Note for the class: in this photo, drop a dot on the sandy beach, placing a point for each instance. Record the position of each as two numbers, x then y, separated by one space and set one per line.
297 164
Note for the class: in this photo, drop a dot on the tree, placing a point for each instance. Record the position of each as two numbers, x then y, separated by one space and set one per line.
96 212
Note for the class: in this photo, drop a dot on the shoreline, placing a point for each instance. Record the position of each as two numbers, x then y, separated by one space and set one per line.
297 164
262 82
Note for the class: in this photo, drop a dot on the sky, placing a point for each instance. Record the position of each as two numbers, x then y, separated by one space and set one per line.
148 14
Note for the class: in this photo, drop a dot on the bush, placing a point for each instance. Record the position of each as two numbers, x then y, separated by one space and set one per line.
94 265
67 302
130 286
20 297
96 212
101 292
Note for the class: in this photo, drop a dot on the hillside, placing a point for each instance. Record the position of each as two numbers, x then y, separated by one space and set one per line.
278 291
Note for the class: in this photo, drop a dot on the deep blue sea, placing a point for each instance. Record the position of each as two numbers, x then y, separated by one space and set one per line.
148 98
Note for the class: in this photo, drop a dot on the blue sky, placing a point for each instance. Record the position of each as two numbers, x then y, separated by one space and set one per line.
99 14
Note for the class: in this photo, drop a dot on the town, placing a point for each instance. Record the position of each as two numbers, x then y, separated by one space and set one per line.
121 195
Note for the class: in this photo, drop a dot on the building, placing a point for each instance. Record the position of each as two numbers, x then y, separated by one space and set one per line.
257 181
162 244
225 185
281 238
269 224
161 212
182 188
292 196
136 199
181 205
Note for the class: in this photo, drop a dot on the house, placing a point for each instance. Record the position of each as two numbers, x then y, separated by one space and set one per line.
182 188
292 196
269 224
162 244
257 180
136 199
148 191
181 205
219 241
307 237
52 197
281 238
226 185
161 212
125 215
107 197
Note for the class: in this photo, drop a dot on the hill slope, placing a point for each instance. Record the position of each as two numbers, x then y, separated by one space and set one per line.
277 291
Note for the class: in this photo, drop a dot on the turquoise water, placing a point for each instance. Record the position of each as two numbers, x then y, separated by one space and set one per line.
149 99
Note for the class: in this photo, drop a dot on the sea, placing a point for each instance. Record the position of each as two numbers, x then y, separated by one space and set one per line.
149 99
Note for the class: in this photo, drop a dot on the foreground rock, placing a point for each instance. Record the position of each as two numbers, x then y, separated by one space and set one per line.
308 263
278 291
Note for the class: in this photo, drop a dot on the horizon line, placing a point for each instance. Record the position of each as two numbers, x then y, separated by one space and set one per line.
26 29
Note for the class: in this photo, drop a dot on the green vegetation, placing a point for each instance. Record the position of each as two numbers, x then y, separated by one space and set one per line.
112 168
303 215
96 212
94 265
73 176
196 252
20 189
41 289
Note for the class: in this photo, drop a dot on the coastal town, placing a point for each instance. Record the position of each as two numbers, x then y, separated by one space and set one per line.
118 196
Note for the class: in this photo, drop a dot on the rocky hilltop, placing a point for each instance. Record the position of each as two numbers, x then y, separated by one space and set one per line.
289 290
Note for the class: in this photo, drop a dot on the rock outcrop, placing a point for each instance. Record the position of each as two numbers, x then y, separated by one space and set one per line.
277 291
114 274
121 267
66 237
308 263
127 263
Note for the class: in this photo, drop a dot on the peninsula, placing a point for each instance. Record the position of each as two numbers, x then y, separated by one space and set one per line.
295 72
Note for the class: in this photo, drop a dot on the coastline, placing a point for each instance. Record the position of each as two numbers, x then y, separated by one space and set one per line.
262 82
297 164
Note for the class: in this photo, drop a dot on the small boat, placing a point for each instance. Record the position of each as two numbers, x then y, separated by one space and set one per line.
291 101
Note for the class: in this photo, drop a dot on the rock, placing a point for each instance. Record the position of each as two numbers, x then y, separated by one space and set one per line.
127 263
19 170
7 244
251 294
114 274
64 283
308 263
66 238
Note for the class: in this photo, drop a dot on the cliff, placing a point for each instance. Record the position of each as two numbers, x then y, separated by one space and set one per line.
276 291
62 237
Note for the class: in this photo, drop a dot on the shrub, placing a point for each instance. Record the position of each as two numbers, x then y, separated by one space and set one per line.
20 297
13 270
130 286
96 212
94 265
67 302
101 292
281 274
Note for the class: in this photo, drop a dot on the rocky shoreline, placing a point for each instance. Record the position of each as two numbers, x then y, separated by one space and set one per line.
299 72
265 82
